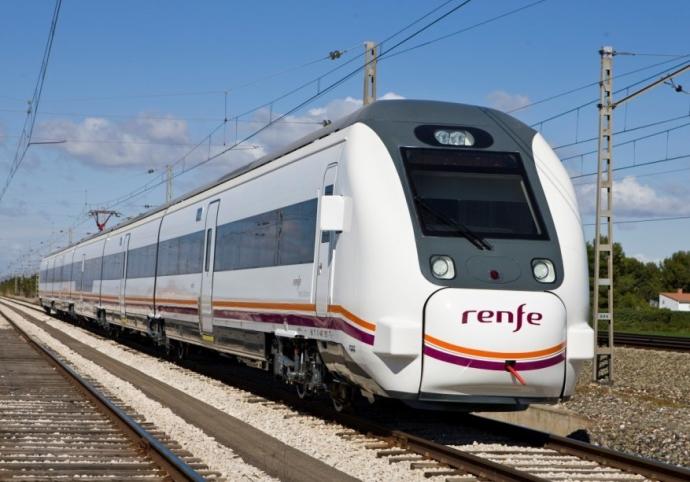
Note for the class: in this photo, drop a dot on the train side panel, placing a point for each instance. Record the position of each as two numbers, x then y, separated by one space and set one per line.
265 252
376 278
92 260
179 262
140 274
111 276
574 291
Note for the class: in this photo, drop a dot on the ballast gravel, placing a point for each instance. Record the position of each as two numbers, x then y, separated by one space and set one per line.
216 456
647 409
309 434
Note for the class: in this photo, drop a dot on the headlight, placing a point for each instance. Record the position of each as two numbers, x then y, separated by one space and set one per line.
454 138
442 267
543 270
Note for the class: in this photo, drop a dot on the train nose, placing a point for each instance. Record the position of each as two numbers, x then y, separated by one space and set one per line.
484 343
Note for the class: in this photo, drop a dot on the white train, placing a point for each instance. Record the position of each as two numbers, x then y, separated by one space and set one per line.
425 251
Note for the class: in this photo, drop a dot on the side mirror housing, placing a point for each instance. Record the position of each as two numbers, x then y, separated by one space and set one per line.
333 215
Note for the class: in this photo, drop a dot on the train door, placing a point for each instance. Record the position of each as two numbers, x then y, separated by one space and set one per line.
51 277
80 283
324 259
206 298
123 280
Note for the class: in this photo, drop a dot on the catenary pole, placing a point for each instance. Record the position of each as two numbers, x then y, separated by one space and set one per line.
602 368
370 57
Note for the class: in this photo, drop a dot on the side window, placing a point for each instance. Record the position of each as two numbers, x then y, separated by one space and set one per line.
297 231
281 237
182 255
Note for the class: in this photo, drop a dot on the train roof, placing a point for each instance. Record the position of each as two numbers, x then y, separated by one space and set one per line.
398 110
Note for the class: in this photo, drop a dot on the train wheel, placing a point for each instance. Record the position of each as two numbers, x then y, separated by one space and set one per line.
303 392
177 351
342 396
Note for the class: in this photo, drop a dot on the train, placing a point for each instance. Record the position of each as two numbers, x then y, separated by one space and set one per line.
425 251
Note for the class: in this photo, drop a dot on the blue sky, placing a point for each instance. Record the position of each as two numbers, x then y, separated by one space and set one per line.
133 86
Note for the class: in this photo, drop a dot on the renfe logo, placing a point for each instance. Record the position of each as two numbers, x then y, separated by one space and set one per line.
489 316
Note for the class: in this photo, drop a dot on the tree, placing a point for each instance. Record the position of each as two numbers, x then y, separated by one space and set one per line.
676 271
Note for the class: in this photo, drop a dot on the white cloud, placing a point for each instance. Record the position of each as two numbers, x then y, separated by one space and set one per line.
502 100
632 199
294 127
102 142
153 142
391 96
645 259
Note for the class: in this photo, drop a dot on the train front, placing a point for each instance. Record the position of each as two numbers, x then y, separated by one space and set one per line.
498 235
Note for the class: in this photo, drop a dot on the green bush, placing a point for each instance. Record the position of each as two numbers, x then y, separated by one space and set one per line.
652 320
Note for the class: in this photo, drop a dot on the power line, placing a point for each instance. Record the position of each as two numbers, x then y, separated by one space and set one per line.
387 54
249 83
632 141
624 131
471 27
645 220
649 174
591 84
593 101
639 164
30 121
142 190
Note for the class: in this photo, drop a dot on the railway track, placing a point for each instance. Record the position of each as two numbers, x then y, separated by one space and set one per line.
54 424
660 342
511 453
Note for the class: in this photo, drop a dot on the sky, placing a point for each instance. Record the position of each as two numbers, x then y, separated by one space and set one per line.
133 86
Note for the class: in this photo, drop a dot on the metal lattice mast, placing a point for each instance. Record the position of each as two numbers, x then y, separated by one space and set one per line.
371 54
602 367
602 370
168 183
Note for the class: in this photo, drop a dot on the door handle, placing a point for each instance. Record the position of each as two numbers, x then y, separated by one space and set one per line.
320 267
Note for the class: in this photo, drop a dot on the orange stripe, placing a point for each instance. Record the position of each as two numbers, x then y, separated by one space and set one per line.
176 301
139 298
295 307
352 317
494 354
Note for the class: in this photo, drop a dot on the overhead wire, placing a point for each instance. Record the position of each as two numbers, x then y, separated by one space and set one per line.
571 110
387 54
645 220
636 165
592 84
381 57
624 131
631 141
25 138
320 93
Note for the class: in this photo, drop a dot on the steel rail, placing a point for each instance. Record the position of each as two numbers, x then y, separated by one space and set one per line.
662 342
469 463
176 468
620 460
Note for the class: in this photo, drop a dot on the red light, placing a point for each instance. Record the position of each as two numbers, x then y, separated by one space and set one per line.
494 274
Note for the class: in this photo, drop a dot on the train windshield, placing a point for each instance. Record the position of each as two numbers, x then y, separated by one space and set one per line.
486 193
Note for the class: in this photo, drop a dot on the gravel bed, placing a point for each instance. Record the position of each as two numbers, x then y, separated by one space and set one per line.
647 409
216 456
320 439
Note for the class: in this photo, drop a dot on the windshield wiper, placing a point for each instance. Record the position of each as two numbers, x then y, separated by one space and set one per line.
472 237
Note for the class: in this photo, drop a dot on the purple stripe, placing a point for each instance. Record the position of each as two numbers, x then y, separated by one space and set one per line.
179 309
324 322
490 365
